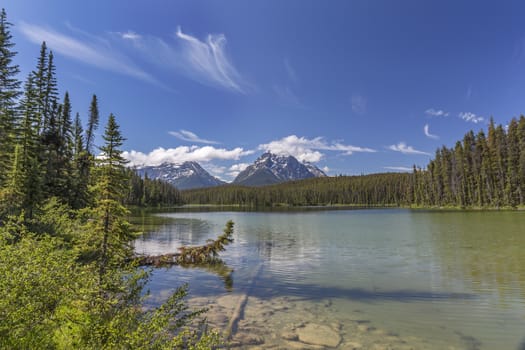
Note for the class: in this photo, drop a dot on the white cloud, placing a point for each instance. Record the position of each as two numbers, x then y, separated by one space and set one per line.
358 104
183 154
307 150
207 61
239 167
471 117
326 169
436 112
403 148
95 51
235 169
130 35
215 170
428 134
186 135
399 168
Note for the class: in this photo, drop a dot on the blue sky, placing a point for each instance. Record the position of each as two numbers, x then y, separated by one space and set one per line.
352 86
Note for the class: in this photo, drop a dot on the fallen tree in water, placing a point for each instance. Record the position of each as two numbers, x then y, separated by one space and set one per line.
206 254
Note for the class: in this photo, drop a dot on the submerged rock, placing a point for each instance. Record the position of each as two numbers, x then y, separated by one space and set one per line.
317 334
289 336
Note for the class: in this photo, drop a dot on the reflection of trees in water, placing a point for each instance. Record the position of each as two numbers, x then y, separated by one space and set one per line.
289 246
218 268
485 248
172 232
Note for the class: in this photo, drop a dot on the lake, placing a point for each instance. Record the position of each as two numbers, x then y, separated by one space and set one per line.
369 279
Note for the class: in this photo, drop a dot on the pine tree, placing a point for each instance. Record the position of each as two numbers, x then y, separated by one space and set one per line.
512 196
109 189
107 242
92 123
50 97
31 148
65 152
79 179
9 93
40 74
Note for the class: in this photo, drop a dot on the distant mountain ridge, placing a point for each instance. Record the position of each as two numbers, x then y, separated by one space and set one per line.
185 176
270 169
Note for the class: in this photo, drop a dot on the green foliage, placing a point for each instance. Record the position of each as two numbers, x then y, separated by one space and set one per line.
68 275
37 277
207 253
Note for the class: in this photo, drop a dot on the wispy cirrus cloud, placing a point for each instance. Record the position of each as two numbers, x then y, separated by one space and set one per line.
130 35
398 168
94 51
428 134
189 136
405 149
208 62
471 117
205 61
183 154
436 112
308 150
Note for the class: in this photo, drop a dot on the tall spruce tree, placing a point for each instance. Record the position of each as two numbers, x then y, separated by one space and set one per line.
9 93
79 182
31 171
110 188
92 123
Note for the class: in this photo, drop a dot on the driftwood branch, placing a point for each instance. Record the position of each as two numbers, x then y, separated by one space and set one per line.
206 254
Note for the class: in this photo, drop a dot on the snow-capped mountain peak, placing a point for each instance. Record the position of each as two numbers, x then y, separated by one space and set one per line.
184 176
271 168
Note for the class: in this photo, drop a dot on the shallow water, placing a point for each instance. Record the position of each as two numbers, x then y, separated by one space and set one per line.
381 279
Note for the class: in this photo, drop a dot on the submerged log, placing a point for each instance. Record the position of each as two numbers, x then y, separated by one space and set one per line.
238 312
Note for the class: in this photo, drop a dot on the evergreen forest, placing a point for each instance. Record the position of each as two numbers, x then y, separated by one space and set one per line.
69 276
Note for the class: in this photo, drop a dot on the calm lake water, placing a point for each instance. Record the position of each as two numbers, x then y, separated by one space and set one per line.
383 278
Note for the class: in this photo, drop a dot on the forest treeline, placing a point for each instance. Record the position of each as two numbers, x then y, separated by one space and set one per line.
479 171
388 189
70 279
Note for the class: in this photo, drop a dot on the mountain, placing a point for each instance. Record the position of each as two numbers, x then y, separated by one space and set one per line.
271 168
184 176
